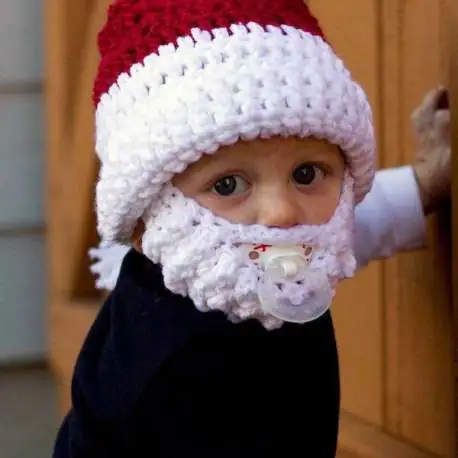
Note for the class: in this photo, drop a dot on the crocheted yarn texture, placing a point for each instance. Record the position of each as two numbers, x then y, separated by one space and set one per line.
180 78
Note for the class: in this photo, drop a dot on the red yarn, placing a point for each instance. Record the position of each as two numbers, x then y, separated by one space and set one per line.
136 28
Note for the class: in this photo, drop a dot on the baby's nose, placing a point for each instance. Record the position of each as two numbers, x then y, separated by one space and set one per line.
279 209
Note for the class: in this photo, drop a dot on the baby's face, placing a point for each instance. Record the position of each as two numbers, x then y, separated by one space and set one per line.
280 182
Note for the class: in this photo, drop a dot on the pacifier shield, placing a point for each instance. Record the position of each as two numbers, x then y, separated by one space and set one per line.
314 301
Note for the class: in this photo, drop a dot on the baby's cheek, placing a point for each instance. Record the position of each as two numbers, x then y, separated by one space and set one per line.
323 213
319 208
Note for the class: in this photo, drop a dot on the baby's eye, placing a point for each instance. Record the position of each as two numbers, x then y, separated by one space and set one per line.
230 185
306 174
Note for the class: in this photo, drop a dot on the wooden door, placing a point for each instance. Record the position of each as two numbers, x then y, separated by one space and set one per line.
393 320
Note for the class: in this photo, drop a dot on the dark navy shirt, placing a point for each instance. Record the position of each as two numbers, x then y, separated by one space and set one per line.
156 378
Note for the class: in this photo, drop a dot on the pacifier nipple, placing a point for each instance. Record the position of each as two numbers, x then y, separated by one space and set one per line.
284 266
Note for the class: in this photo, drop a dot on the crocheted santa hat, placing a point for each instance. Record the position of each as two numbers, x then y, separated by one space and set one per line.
180 78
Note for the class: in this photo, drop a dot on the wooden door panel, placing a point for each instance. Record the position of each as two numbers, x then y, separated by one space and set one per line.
418 326
393 320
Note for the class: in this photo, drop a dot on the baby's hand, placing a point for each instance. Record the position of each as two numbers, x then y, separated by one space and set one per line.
432 166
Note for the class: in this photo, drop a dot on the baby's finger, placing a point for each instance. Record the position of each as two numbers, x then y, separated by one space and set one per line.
442 126
423 116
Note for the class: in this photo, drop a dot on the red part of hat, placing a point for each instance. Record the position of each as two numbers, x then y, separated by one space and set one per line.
137 28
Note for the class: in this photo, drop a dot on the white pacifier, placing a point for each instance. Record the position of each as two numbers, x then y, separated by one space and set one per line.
291 264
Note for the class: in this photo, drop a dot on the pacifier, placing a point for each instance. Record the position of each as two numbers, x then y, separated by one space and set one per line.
285 265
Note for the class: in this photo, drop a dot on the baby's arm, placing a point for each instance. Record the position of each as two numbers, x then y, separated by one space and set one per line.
392 216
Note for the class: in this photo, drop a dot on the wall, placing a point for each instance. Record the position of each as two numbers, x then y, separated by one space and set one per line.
22 282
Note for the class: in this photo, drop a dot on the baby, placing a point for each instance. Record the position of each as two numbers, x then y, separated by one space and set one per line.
237 136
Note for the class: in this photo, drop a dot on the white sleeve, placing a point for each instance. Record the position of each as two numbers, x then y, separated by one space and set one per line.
390 219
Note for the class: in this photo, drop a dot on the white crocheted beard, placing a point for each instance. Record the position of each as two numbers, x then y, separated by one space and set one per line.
202 257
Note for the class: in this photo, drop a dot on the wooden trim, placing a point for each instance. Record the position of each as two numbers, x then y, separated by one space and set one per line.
55 88
79 187
77 21
364 440
391 13
65 24
69 322
452 9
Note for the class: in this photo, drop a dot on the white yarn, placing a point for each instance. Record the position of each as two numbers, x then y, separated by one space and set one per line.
200 259
107 263
213 89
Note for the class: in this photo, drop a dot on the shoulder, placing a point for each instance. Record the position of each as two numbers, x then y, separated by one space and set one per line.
142 326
